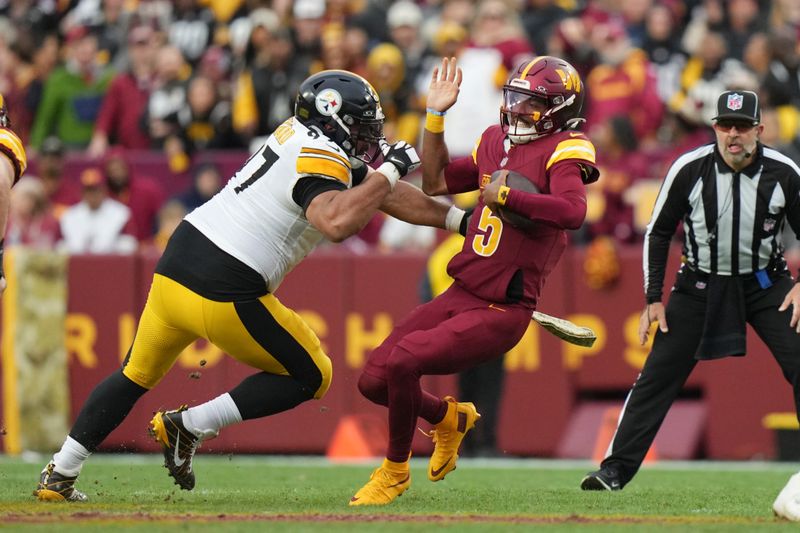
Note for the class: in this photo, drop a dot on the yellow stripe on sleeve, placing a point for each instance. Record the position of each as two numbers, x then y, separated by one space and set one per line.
572 149
475 151
323 167
327 153
11 142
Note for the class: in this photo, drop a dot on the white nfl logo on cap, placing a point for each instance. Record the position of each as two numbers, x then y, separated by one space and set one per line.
735 101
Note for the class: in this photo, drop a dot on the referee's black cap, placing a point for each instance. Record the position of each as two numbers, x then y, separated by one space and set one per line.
738 105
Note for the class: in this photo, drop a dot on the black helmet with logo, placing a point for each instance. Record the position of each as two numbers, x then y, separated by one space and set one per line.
346 108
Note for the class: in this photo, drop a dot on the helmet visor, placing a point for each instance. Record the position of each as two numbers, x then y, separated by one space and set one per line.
366 137
523 107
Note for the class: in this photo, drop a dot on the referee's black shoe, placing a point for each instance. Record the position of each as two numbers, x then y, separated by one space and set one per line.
607 478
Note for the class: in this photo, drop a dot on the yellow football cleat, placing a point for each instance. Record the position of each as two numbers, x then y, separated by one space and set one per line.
447 436
385 484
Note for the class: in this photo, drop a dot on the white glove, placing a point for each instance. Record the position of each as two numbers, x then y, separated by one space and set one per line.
399 159
402 155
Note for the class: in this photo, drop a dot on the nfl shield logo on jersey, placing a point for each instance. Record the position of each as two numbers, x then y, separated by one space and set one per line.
735 101
328 102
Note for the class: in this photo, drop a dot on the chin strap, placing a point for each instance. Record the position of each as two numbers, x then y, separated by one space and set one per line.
347 143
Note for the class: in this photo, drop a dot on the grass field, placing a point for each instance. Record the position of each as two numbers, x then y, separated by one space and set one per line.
254 493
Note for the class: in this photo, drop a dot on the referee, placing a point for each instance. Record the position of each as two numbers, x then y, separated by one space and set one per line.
733 197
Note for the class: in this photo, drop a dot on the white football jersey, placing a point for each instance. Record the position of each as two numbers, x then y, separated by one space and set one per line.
254 217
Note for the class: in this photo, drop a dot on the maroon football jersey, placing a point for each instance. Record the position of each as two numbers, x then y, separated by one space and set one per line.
494 251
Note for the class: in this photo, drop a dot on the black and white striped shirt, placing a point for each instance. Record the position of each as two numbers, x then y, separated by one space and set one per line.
732 220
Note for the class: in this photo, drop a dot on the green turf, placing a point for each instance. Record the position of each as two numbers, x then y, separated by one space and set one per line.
287 494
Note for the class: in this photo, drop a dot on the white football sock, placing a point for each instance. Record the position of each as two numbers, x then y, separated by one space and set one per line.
69 459
207 419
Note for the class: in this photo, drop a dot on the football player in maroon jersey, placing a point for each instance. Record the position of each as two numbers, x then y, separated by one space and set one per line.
500 270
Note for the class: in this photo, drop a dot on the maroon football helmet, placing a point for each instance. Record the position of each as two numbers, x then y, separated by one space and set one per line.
542 96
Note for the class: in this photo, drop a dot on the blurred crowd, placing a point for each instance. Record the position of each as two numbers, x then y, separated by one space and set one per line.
104 79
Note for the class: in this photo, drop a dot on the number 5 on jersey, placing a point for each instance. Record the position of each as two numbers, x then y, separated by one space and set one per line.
485 244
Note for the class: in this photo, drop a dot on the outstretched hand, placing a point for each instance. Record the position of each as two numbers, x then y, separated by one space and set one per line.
445 84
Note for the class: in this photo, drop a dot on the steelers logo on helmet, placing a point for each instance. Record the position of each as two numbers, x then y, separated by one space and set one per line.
329 102
344 107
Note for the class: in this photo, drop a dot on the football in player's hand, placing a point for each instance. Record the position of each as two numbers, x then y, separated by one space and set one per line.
516 181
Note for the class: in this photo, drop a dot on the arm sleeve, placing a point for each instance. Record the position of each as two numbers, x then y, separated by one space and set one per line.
793 206
359 174
461 175
564 207
792 193
671 205
307 188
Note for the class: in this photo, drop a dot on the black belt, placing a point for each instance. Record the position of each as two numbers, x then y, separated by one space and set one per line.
775 269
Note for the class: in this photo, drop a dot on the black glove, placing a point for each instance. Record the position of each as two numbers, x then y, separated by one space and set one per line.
462 227
402 155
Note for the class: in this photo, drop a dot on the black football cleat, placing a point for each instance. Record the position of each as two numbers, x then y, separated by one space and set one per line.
178 444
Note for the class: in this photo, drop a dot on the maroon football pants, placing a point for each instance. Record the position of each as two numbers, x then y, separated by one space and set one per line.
454 332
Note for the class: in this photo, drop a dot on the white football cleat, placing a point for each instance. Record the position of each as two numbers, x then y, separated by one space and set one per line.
787 504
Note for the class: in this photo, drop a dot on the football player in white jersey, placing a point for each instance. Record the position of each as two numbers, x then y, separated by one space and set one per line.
217 277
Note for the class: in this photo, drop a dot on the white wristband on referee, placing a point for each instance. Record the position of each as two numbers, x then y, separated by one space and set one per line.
390 172
453 219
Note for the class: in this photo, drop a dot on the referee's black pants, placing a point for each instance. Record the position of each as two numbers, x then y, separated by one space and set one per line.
672 359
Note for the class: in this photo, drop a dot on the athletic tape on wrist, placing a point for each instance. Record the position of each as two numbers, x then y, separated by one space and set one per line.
390 172
452 221
434 123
